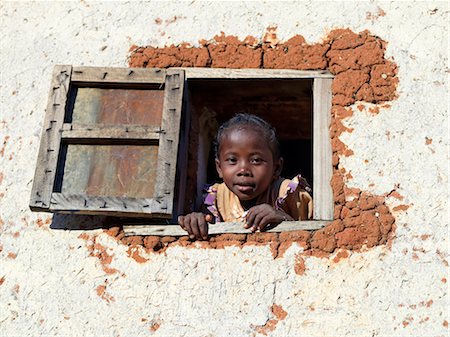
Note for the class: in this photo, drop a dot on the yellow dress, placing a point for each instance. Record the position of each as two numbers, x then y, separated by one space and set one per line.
291 195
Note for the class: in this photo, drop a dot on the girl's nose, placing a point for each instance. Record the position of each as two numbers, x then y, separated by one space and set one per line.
244 169
244 173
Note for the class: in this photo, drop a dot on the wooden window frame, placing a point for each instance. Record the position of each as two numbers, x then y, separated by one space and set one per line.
322 151
55 131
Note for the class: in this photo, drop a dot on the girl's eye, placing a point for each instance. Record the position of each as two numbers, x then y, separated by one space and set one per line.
230 160
256 160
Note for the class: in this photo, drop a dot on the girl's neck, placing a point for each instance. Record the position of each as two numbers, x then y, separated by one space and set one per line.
247 204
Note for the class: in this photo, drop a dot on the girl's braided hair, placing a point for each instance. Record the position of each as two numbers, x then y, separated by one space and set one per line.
243 120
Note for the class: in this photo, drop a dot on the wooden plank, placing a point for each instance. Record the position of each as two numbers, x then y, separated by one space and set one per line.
89 132
125 170
169 140
224 73
109 75
44 176
182 163
322 152
221 228
117 206
116 106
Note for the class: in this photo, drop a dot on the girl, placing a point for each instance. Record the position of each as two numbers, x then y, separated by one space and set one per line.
249 162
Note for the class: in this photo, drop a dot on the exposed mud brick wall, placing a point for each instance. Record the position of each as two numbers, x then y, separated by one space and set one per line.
362 73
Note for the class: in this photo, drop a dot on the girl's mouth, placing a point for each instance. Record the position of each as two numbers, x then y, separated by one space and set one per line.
244 188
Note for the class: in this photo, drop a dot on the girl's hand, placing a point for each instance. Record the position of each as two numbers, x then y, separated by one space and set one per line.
258 217
196 224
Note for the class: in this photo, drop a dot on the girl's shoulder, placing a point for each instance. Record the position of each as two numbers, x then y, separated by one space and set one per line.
295 198
291 188
210 197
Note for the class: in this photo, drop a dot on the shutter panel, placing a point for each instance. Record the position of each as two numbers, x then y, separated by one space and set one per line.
112 145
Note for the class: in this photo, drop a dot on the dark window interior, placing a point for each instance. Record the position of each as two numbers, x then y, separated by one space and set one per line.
284 103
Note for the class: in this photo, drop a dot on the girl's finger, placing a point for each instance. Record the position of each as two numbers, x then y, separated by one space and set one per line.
195 233
246 225
203 228
181 222
254 220
249 218
187 228
263 224
258 221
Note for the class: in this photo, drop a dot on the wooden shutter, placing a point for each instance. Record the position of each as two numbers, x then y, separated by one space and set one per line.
110 142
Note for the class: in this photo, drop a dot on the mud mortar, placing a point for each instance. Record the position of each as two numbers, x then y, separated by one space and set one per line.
362 73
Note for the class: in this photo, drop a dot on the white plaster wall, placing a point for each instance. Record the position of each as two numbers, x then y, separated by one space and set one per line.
49 288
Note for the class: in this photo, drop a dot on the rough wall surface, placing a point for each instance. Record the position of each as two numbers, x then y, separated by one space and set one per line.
71 283
361 73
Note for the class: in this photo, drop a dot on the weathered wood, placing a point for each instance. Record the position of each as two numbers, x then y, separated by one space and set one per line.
88 132
108 75
223 73
125 170
182 161
141 105
47 161
169 140
220 228
89 199
117 206
322 152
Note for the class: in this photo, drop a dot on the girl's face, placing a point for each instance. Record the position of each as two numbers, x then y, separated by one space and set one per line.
246 163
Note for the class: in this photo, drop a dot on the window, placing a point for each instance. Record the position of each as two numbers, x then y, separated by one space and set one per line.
110 142
77 167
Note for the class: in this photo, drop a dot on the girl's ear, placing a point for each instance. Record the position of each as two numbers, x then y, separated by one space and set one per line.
219 170
278 166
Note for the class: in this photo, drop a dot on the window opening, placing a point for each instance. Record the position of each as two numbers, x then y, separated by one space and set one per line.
285 103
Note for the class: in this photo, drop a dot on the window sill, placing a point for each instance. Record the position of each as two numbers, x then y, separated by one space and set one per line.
223 228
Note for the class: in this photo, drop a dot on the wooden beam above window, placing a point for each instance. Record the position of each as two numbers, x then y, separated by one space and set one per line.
205 73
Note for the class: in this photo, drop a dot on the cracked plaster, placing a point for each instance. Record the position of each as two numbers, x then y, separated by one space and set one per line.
52 282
